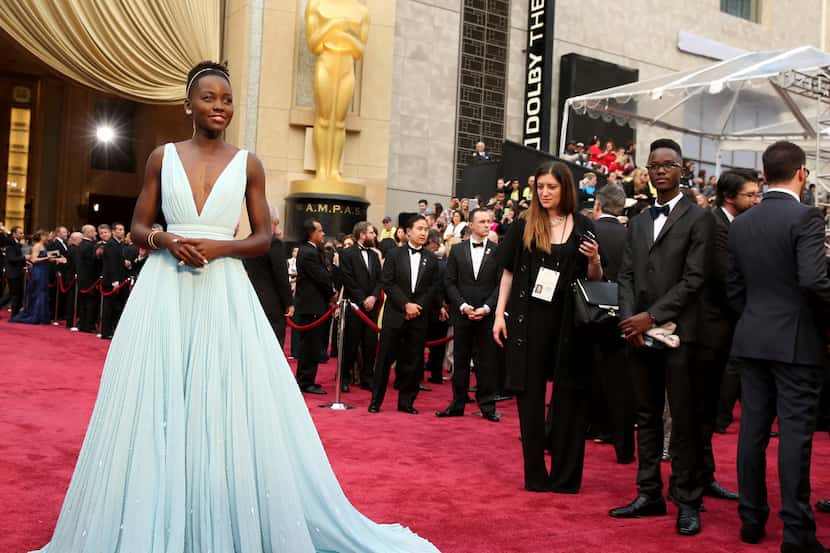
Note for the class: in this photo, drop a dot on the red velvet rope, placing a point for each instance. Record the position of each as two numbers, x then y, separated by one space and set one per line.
439 342
69 286
115 288
371 324
95 285
302 328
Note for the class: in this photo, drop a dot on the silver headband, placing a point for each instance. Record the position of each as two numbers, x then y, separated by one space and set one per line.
196 75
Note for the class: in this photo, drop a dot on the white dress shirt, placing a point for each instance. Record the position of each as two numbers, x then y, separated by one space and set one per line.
414 262
729 216
477 255
364 253
785 191
661 219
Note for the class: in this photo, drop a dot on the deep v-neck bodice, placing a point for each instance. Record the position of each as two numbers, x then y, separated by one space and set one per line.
223 203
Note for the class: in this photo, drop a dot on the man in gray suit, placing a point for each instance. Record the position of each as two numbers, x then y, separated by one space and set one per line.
778 283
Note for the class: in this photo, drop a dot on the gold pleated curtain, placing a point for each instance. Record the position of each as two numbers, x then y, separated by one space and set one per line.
141 49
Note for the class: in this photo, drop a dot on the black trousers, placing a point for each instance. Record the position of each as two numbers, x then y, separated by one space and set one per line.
435 361
474 340
712 366
88 306
308 356
612 395
405 347
358 335
69 312
791 391
113 307
277 321
14 295
730 391
654 373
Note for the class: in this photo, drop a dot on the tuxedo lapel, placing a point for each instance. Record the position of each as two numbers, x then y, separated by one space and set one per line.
676 213
421 266
468 258
647 229
407 267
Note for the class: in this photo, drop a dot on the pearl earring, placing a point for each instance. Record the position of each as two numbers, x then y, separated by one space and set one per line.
187 111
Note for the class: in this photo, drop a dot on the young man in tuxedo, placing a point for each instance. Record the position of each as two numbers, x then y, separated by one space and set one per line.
613 396
736 192
87 275
438 325
472 284
661 280
114 272
361 273
409 281
269 276
15 264
315 295
778 284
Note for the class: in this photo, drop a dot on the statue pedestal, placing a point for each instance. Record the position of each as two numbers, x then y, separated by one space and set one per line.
338 205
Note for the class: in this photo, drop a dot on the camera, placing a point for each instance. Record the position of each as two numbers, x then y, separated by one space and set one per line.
588 236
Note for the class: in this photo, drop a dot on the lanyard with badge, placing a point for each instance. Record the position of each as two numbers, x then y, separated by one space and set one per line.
547 279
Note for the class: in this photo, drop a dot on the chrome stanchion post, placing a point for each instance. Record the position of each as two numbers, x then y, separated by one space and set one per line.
25 301
101 308
338 405
77 286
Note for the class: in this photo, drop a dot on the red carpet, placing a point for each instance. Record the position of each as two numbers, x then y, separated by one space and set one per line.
454 481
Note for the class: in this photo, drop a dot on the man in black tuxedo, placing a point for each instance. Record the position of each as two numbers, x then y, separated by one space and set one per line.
661 280
315 295
737 191
87 275
778 283
58 243
613 396
438 326
409 281
361 274
269 276
72 260
114 272
15 273
472 284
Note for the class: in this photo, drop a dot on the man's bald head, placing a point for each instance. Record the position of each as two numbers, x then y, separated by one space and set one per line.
88 231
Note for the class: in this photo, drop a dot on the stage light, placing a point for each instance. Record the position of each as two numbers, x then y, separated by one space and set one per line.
105 134
96 208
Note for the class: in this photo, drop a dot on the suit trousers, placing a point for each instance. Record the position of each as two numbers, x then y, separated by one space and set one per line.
657 373
474 340
88 306
14 295
308 356
791 391
730 391
113 307
358 335
612 387
435 360
277 321
403 346
711 364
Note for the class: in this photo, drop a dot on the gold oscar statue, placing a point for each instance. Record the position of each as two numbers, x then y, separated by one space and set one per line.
337 31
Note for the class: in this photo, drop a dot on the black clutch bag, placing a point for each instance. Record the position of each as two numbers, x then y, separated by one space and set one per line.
595 303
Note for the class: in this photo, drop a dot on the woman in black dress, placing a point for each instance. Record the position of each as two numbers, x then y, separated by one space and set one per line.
548 241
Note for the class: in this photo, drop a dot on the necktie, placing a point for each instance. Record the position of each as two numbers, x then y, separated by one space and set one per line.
413 250
478 244
657 211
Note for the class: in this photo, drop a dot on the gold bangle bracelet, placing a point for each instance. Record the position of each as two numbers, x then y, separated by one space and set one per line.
151 239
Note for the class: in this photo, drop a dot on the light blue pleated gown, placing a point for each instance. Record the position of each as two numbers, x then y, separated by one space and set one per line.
200 441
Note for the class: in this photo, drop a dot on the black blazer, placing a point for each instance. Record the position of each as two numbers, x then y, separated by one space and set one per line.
112 262
15 262
314 284
87 264
611 239
463 287
397 283
665 276
778 281
718 317
359 281
269 276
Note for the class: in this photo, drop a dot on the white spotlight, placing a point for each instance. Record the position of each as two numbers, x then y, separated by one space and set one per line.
105 134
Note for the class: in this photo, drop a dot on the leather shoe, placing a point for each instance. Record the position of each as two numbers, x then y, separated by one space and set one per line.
504 397
315 389
688 521
410 410
752 533
719 492
641 507
492 417
823 505
423 388
449 412
374 408
814 547
433 381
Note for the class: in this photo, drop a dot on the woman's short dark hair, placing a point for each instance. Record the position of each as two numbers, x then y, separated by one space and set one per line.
205 69
730 184
782 160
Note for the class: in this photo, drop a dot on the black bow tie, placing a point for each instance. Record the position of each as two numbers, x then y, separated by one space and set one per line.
413 250
362 248
657 211
478 244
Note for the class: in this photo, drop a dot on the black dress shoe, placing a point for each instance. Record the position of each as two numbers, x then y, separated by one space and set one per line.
814 547
541 489
625 459
366 387
449 412
719 492
344 388
410 410
492 417
688 521
424 388
823 505
434 381
641 507
503 397
752 533
315 389
374 408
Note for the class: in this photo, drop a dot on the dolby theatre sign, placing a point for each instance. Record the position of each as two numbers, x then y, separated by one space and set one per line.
538 75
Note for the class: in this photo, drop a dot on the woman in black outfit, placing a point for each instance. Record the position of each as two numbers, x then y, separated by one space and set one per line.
540 340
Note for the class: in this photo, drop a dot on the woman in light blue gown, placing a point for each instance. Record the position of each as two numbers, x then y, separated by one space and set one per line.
200 441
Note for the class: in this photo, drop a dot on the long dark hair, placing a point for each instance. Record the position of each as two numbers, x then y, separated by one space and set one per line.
537 231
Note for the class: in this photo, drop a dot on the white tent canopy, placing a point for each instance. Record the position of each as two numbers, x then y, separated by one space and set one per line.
757 97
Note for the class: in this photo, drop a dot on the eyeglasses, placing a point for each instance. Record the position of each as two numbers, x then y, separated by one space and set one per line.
668 166
750 195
